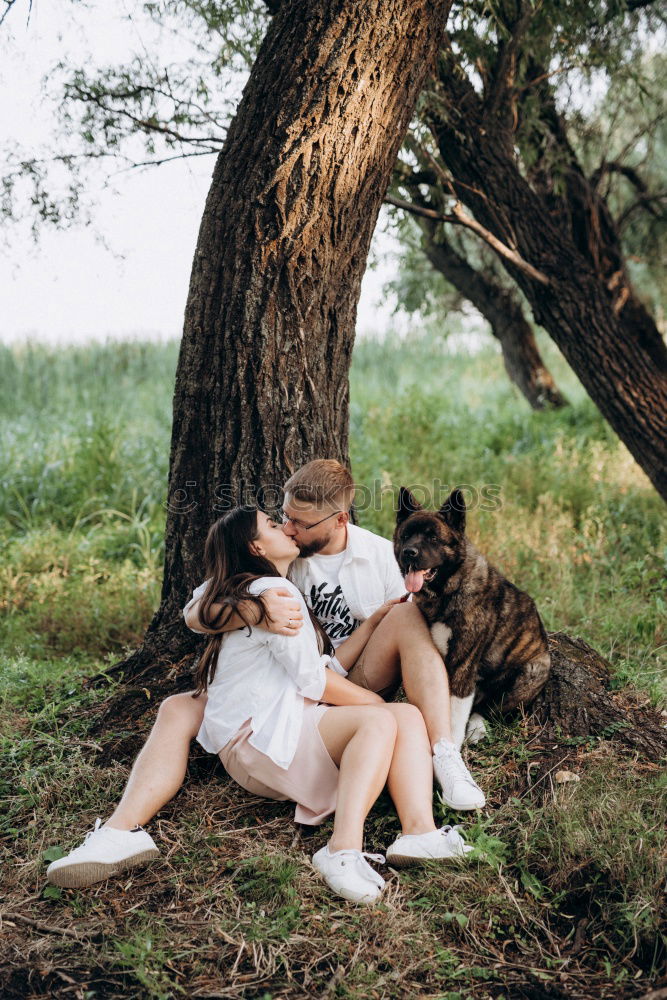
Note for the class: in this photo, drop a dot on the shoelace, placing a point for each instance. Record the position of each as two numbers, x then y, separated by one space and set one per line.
380 858
361 856
447 830
91 833
453 756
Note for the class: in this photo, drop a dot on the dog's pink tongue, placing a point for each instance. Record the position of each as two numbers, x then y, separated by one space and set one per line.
414 580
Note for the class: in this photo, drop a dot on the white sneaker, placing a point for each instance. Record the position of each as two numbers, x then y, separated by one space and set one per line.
104 852
437 845
459 790
349 874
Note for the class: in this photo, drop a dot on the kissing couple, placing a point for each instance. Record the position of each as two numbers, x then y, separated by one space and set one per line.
310 638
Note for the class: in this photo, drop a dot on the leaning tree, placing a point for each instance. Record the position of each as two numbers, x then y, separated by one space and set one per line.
559 244
490 131
262 377
593 320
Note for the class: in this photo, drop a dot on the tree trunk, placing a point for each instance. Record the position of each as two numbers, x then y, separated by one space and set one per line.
500 308
577 702
521 355
262 377
583 212
576 306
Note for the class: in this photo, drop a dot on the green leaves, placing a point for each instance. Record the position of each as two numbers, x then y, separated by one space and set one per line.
52 892
53 854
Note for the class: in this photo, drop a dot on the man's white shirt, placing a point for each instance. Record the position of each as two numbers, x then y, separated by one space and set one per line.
368 575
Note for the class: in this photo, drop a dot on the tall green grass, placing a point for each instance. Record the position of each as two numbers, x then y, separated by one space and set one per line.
84 444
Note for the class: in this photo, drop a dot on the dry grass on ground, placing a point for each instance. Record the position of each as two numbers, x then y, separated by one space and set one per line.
562 901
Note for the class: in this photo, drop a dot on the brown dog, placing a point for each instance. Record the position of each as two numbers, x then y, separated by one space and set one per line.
488 632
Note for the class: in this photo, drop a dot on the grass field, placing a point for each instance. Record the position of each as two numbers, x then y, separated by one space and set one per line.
563 898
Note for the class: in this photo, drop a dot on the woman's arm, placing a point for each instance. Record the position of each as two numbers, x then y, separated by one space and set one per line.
299 657
339 691
349 651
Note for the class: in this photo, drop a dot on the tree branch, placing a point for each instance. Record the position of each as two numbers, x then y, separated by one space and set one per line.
461 218
502 81
147 125
606 165
643 201
165 159
8 6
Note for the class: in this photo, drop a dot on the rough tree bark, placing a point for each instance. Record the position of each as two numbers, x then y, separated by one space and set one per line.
501 309
575 306
583 212
578 702
262 378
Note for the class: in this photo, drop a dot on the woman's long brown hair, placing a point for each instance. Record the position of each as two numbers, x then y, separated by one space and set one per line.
230 567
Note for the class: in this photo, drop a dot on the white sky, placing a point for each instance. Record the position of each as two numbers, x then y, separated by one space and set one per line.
71 288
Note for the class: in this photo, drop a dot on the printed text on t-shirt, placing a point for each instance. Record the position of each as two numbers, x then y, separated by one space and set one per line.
332 611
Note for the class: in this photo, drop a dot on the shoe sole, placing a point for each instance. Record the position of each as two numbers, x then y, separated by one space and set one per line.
84 873
407 860
459 808
359 900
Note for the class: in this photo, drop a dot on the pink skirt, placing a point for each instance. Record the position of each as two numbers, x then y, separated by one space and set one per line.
311 780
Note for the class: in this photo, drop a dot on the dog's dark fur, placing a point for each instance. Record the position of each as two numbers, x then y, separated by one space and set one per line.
489 632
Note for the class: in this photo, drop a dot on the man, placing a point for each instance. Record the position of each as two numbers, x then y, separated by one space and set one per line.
345 573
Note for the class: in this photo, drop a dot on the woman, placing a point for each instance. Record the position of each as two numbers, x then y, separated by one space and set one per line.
287 724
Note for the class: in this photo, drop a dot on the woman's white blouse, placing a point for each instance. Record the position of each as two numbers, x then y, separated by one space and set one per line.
263 677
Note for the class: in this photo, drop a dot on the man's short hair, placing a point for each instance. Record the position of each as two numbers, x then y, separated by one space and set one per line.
322 482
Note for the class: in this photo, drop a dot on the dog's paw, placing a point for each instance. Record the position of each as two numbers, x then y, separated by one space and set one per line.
476 728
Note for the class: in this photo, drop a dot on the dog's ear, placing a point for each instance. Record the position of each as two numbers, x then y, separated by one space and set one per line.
406 505
453 511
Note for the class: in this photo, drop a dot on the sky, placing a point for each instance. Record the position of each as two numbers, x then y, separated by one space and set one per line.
70 287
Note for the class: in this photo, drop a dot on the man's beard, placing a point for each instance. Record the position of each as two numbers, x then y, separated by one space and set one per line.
311 548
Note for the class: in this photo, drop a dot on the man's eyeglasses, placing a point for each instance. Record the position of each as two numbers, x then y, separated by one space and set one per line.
299 524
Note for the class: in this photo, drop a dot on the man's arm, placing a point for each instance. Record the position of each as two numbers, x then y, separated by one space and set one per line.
281 607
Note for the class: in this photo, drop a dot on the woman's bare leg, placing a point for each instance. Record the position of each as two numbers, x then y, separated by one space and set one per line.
159 769
361 742
410 779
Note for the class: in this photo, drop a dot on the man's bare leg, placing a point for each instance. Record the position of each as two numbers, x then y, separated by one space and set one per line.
401 647
158 771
